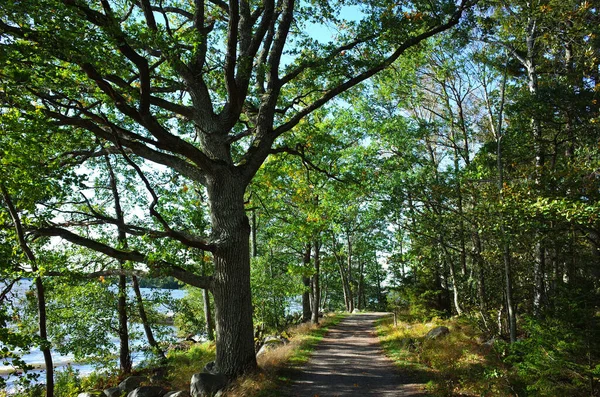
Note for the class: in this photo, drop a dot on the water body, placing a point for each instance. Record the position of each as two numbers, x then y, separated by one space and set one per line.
35 357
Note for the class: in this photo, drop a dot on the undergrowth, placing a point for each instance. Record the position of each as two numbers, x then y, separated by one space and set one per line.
458 364
181 365
545 361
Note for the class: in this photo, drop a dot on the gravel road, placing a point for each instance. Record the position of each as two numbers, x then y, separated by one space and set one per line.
349 361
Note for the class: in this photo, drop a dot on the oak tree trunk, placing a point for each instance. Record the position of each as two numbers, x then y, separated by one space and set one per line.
350 307
231 281
125 362
45 347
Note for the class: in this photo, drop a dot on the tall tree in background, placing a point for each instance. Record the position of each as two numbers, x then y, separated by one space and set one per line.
204 89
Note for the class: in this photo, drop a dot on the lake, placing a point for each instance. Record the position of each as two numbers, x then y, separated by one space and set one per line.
36 358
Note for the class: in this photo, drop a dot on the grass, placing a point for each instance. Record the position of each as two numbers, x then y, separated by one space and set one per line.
278 365
458 364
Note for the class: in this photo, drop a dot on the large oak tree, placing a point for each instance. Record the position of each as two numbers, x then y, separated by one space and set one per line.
203 88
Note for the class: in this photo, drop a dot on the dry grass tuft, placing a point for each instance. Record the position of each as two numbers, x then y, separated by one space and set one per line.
273 364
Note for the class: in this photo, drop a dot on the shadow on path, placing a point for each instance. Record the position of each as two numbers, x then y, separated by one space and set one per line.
349 361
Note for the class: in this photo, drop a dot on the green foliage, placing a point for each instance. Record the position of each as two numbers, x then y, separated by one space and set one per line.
561 351
14 338
67 382
99 380
274 289
189 313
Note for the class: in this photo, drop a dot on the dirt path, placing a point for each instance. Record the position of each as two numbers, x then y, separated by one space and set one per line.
349 362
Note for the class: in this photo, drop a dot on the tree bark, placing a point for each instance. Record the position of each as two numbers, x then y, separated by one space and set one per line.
208 318
508 292
479 264
532 81
125 362
40 292
448 260
144 318
349 274
306 295
360 290
124 352
231 281
316 288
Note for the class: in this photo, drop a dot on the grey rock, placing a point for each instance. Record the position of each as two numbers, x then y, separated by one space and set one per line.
277 339
113 392
437 332
207 385
263 349
178 393
210 367
147 391
271 342
355 311
132 383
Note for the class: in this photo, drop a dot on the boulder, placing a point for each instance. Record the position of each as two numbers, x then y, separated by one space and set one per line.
437 332
210 368
132 383
178 393
278 339
113 392
355 311
207 385
147 391
264 348
272 342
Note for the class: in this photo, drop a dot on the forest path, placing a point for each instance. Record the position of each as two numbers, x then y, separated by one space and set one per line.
349 361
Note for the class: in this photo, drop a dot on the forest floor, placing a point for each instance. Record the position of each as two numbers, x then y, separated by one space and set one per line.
349 361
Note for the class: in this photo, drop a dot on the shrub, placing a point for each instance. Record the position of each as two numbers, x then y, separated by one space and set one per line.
183 364
67 383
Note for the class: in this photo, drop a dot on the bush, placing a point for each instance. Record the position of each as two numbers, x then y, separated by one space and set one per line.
560 352
189 317
67 383
183 364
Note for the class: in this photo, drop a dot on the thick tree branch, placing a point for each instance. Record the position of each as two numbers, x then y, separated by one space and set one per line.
279 40
118 138
148 15
178 272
